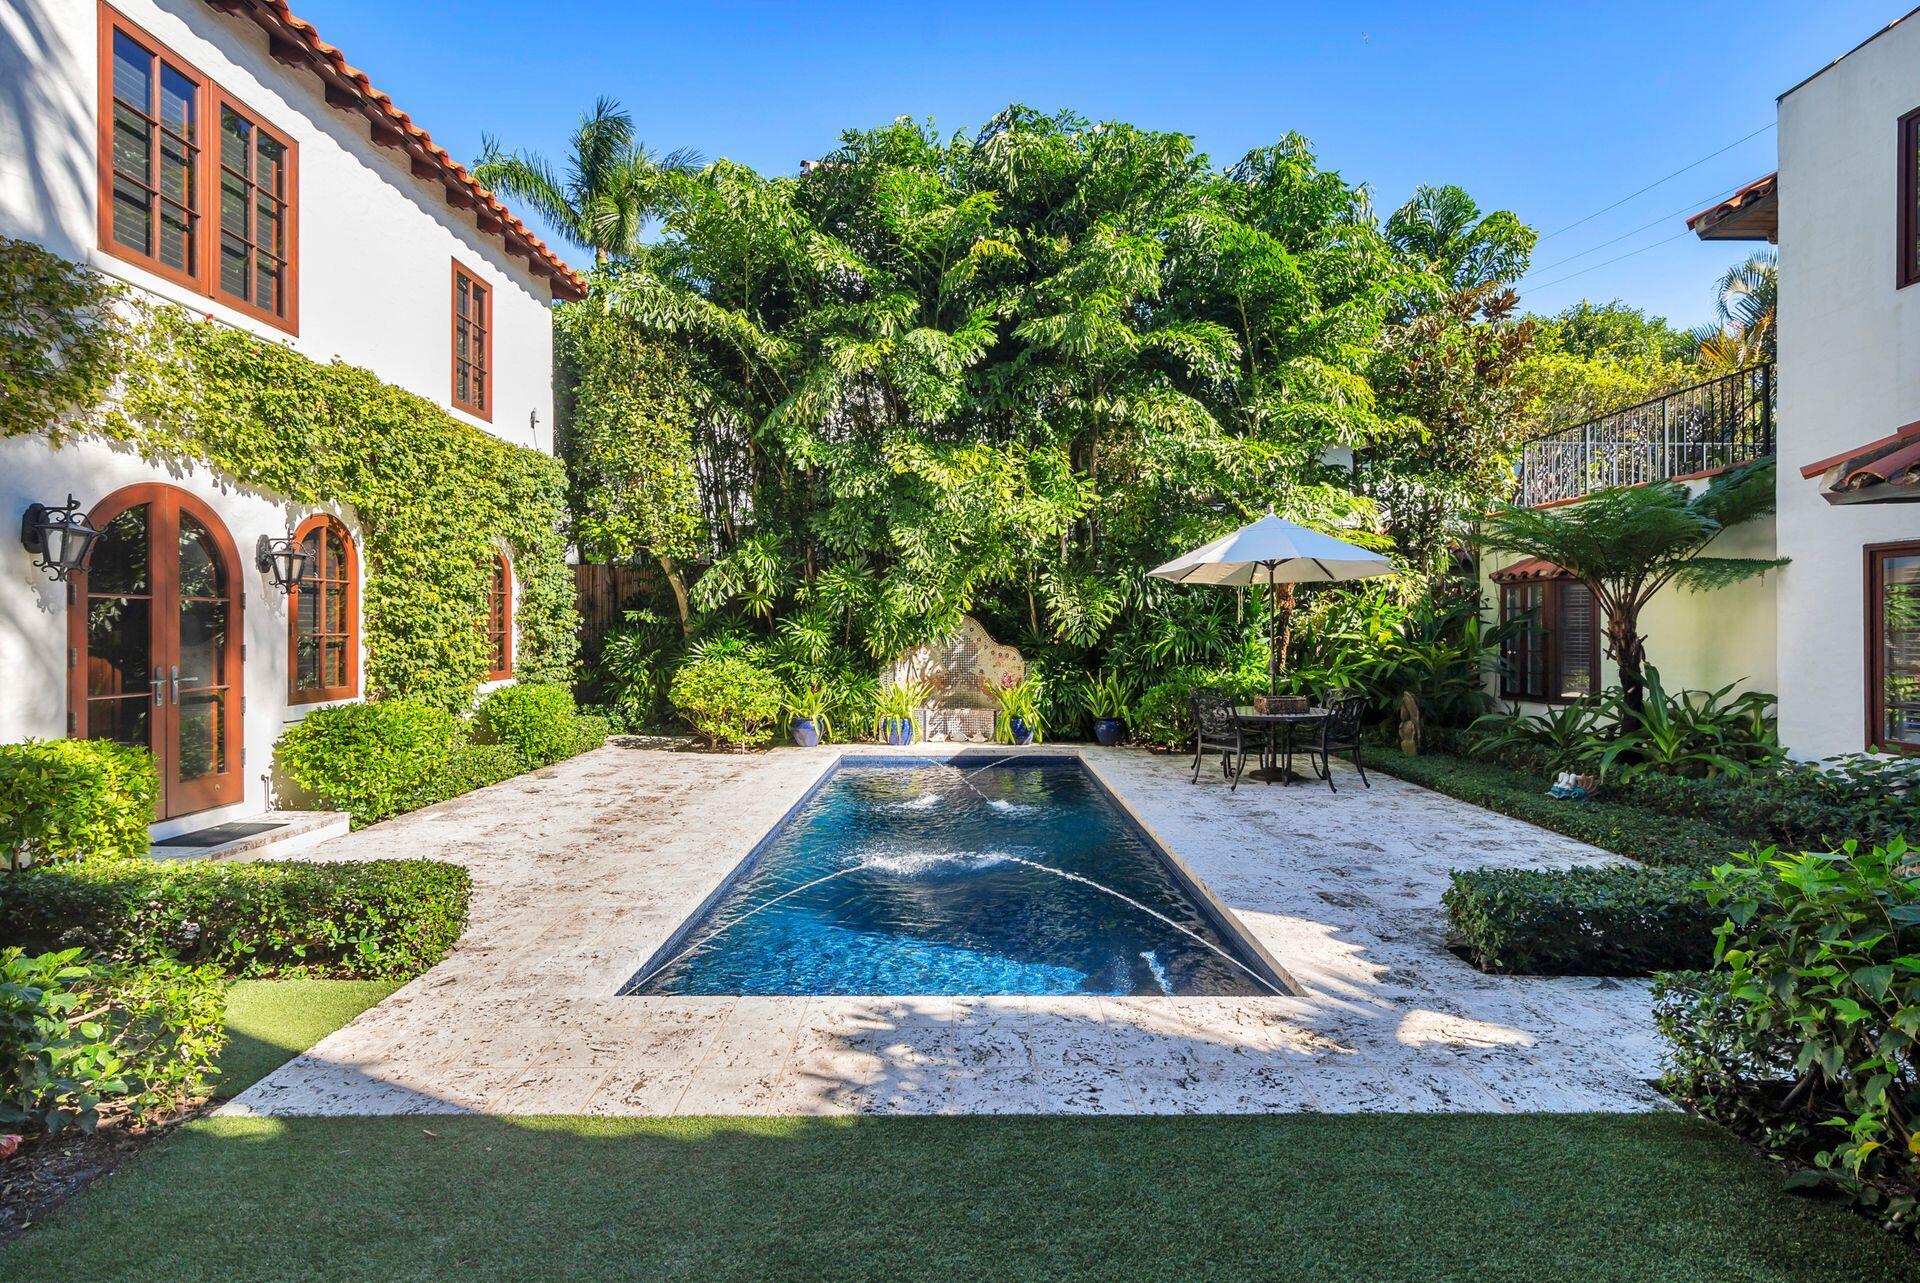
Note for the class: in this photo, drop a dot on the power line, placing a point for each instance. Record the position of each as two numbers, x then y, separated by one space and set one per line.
1705 202
1618 258
1657 182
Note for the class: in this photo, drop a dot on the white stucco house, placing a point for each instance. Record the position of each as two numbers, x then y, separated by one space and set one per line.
219 154
1836 632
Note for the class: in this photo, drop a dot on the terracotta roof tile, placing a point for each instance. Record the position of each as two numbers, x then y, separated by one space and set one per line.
295 39
1531 568
1860 475
1752 194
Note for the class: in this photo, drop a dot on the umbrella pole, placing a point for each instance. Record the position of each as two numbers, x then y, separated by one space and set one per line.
1273 657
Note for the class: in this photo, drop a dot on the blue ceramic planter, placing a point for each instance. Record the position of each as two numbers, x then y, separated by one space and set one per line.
1108 731
1022 733
897 731
806 732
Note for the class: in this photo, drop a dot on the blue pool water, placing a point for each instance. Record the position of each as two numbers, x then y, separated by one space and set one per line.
918 877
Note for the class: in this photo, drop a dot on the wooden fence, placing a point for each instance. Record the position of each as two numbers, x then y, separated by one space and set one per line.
603 595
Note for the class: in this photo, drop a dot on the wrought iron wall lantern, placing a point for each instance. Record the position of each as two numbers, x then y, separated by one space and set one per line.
60 537
283 561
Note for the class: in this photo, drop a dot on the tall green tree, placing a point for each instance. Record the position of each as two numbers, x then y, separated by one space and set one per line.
1745 303
1626 544
613 185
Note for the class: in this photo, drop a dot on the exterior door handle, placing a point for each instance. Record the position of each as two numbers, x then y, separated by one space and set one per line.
159 685
176 684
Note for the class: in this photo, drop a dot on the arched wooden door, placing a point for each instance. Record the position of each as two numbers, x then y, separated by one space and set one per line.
154 632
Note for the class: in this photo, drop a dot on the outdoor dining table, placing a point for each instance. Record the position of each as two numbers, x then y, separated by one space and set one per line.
1276 725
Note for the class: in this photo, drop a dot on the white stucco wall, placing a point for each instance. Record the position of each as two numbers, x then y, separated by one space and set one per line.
376 245
1849 371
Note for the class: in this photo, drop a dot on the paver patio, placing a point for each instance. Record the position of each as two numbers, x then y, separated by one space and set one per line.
583 870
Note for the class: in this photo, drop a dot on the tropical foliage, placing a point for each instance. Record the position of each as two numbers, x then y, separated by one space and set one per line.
1002 373
1803 1035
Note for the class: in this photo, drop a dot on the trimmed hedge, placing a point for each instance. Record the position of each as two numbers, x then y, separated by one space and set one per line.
65 799
1672 842
1617 920
1807 806
376 920
729 701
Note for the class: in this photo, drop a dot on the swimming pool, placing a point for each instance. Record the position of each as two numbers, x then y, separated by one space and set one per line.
916 876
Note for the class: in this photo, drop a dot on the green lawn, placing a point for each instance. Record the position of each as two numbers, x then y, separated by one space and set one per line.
1365 1198
269 1021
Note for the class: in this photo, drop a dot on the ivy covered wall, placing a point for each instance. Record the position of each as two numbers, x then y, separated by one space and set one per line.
434 496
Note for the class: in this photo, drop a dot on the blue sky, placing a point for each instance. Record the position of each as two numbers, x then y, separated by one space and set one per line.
1552 111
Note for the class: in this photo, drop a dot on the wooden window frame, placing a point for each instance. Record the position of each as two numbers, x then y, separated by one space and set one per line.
483 408
500 655
1873 590
201 274
296 694
1906 253
290 217
1549 634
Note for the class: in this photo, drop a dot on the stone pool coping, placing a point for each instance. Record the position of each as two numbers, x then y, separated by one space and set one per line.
584 869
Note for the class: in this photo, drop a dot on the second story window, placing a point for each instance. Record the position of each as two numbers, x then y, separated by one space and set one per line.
472 345
1909 220
194 187
151 158
255 214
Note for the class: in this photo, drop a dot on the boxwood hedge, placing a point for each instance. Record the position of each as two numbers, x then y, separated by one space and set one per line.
1614 920
374 920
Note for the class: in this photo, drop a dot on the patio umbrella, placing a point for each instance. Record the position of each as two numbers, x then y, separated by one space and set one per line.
1274 551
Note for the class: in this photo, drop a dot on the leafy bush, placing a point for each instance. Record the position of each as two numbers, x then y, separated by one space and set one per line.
1690 844
376 759
538 725
1694 734
1616 920
74 1035
728 700
63 799
373 920
1385 641
1804 1034
1163 716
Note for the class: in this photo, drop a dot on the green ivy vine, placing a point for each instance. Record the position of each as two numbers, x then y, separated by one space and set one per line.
433 496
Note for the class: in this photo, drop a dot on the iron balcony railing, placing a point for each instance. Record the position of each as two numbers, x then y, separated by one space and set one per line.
1704 428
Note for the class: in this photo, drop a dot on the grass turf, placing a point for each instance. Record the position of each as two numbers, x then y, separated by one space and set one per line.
1593 1198
271 1021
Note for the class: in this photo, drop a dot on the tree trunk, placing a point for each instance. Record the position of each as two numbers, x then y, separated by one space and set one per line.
675 581
1281 627
1628 649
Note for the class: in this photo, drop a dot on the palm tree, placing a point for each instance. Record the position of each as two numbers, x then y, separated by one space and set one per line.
1745 307
613 183
1626 544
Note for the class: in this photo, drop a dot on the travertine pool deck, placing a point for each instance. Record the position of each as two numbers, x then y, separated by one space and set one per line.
581 871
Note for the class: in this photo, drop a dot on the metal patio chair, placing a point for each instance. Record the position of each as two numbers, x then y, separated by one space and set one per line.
1338 733
1217 727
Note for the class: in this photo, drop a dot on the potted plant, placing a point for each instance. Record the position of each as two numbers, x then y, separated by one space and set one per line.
894 705
1107 699
808 706
1020 720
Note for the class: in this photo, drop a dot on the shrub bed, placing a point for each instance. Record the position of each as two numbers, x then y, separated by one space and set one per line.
1809 806
74 1035
1670 841
384 758
64 799
1163 717
375 920
1619 920
1802 1037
